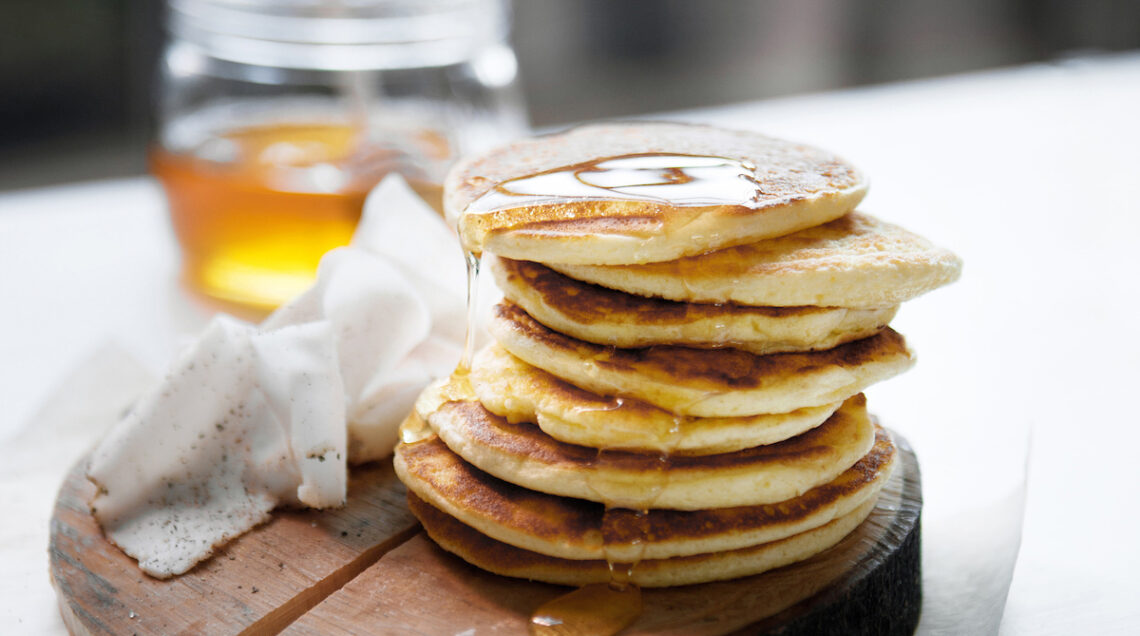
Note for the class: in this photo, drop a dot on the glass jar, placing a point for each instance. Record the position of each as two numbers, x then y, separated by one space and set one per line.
276 117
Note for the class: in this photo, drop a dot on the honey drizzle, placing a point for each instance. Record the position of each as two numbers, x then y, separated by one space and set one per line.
473 260
415 429
608 608
685 180
685 183
654 435
674 179
458 386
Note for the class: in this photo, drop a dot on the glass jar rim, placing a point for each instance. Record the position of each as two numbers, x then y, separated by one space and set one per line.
340 35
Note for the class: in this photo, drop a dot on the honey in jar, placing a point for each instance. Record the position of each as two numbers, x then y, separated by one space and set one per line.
254 209
275 119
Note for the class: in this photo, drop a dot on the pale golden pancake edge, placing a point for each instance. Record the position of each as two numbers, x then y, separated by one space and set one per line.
854 261
520 392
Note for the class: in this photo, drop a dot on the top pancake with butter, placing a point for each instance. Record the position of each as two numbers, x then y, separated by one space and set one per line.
630 193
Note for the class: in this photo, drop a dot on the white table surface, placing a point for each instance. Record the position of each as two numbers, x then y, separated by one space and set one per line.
1030 174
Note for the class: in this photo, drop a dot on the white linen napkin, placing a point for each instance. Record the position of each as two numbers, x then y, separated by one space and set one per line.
252 417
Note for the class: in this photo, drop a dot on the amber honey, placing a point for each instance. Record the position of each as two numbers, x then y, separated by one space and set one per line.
255 209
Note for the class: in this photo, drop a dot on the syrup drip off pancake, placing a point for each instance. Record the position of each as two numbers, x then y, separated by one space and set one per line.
674 391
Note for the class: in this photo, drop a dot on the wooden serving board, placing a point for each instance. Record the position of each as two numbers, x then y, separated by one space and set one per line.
368 569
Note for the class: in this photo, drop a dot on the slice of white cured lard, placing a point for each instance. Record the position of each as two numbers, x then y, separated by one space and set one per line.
254 417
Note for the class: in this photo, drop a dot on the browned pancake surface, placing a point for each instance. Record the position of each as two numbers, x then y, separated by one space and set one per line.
502 558
522 454
433 464
714 369
523 440
853 261
589 303
520 516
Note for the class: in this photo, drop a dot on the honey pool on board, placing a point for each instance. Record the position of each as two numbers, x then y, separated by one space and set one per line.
254 209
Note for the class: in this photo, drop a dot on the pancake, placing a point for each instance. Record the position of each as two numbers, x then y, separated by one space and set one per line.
523 455
507 560
854 261
513 389
608 317
643 192
705 382
577 529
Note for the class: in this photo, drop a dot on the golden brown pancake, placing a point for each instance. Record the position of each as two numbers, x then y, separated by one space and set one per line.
643 192
705 382
507 560
854 261
522 454
513 389
608 317
577 529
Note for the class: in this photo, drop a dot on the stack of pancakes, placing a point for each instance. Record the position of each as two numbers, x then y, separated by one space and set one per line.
674 391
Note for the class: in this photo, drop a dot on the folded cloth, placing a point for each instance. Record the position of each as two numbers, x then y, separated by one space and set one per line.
253 417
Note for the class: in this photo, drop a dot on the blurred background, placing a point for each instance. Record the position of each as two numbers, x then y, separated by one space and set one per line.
77 76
